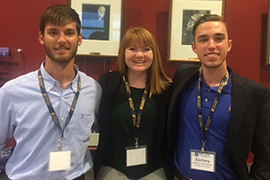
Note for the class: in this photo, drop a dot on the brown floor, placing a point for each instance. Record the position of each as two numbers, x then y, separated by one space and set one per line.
89 175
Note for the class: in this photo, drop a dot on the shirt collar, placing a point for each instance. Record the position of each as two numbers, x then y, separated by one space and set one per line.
50 82
227 88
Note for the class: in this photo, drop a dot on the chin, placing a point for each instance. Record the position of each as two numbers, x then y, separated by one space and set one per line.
213 65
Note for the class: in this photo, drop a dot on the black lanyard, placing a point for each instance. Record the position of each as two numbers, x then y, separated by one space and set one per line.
136 119
51 109
213 108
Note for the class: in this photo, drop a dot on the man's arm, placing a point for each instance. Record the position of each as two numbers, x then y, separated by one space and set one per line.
4 119
261 140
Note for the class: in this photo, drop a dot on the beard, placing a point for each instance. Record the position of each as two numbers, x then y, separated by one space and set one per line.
60 59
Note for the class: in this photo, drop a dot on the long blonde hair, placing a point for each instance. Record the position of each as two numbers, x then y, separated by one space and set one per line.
157 78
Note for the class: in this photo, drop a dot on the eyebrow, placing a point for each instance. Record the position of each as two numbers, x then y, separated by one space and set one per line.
217 34
56 29
220 34
202 36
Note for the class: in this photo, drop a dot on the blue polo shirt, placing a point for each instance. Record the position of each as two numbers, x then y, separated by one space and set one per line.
190 137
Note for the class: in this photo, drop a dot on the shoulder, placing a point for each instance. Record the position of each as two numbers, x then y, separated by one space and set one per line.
168 89
89 82
248 85
87 79
20 82
20 87
185 72
110 77
165 94
243 81
186 67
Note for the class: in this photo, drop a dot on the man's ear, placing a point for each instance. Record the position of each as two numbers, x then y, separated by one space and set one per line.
41 38
229 45
80 39
193 45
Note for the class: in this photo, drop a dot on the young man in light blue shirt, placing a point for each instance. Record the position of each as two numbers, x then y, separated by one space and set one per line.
50 112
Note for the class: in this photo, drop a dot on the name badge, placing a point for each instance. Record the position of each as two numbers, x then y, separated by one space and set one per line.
203 161
59 160
136 156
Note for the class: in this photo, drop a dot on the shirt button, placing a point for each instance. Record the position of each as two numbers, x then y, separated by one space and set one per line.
206 100
62 118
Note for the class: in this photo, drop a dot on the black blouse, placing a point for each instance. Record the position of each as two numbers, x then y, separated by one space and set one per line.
122 134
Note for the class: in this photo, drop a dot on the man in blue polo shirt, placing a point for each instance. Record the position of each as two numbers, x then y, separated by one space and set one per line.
217 116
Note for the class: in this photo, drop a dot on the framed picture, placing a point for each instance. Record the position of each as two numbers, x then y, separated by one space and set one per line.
268 38
183 15
101 26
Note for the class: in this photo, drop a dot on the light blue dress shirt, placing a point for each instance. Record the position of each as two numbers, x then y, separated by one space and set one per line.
25 116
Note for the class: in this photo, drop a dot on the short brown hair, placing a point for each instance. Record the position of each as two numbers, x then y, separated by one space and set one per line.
59 15
156 76
207 18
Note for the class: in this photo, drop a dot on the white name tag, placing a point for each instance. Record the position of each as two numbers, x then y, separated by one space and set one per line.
136 156
205 161
59 160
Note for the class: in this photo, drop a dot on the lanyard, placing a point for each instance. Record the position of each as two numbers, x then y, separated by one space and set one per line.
136 118
213 108
51 109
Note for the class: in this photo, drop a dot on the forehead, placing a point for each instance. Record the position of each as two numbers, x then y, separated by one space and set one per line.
139 42
70 26
211 28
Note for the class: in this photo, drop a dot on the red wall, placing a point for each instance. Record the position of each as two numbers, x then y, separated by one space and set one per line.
19 25
247 21
19 28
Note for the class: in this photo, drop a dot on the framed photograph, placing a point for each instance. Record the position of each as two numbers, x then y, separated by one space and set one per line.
268 38
101 26
183 15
